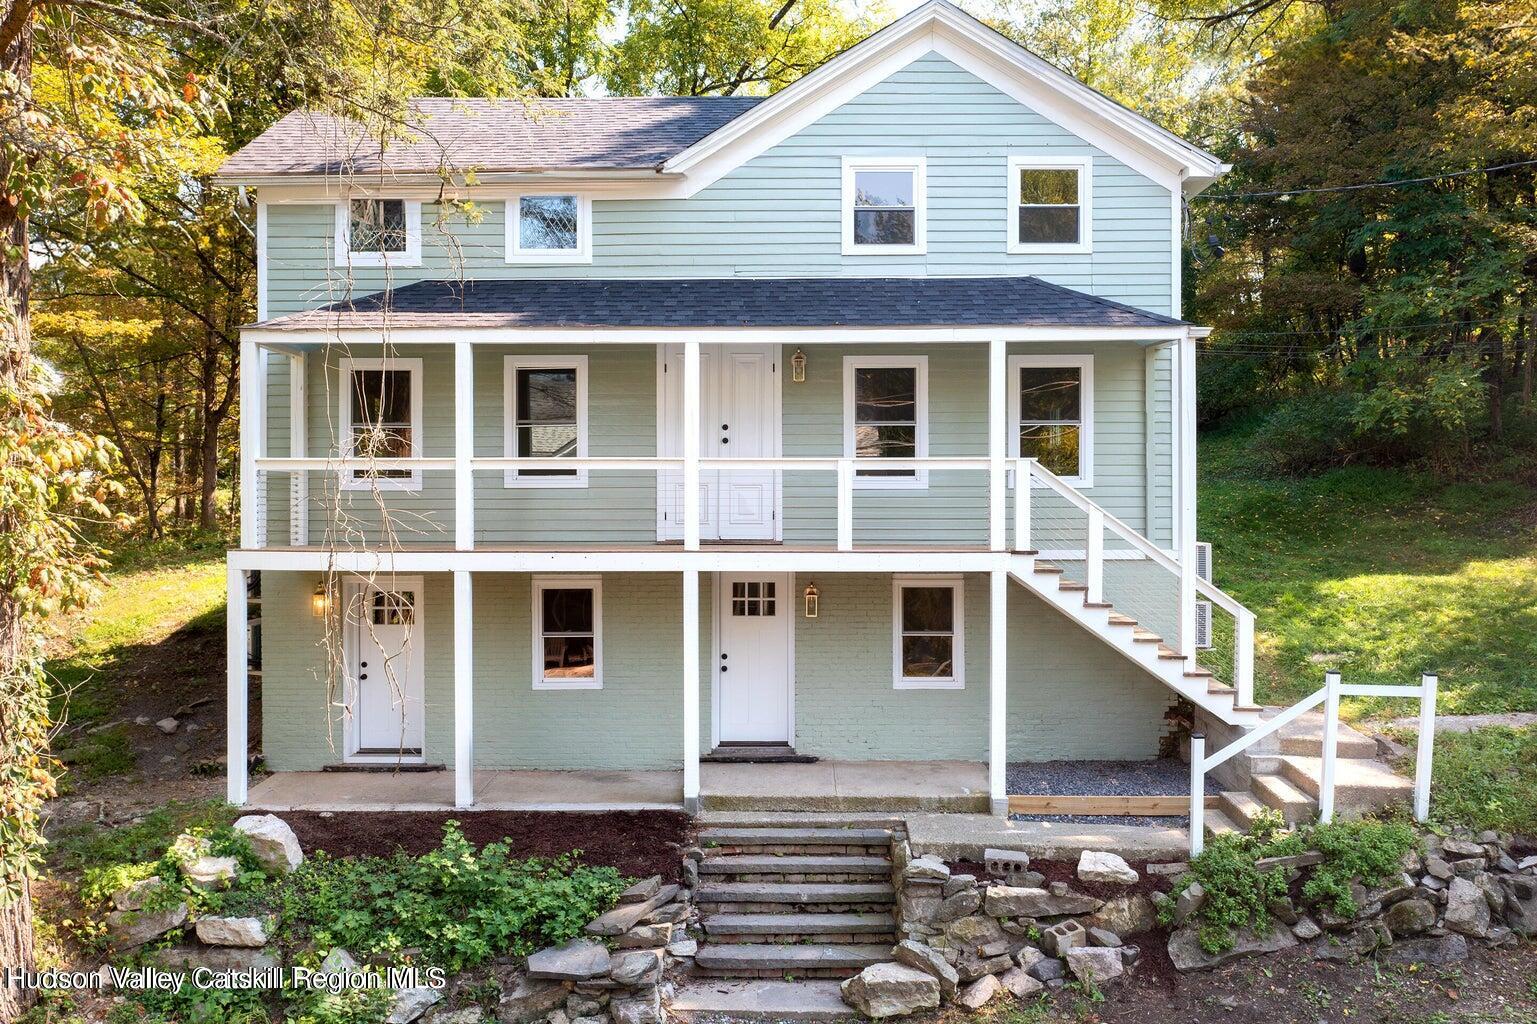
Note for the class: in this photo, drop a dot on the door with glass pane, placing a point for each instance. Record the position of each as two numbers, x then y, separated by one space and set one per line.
739 413
753 660
384 660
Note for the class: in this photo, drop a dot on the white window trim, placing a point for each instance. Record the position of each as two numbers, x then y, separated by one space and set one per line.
916 164
414 366
1085 366
956 681
920 480
511 366
1084 165
346 257
513 244
543 583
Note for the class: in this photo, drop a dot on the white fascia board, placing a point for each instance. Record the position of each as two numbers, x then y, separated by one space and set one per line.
280 339
660 559
315 188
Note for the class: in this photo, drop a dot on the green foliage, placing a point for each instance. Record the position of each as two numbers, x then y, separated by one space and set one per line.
194 1005
94 847
1485 779
1239 895
100 755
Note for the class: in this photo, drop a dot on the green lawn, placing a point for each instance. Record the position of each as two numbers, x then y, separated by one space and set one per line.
1382 574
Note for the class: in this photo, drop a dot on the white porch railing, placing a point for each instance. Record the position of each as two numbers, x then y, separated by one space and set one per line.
1329 696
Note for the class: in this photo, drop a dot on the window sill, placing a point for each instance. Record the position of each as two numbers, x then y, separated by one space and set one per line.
549 258
378 261
410 486
512 481
1050 249
928 684
565 684
885 250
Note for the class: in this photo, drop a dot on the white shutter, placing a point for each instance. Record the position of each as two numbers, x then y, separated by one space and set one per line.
1203 625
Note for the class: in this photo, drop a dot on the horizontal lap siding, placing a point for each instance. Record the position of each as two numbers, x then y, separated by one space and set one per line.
778 214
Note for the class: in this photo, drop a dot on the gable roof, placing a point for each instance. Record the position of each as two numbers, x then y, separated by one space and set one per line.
818 302
608 133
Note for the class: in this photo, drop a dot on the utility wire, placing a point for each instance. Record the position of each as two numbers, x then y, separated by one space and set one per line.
1396 183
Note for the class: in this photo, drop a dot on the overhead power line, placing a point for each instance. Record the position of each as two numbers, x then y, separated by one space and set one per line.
1394 183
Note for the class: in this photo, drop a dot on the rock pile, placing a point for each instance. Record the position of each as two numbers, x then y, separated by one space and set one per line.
969 942
1464 886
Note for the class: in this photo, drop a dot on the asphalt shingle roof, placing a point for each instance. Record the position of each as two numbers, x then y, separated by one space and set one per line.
493 135
728 302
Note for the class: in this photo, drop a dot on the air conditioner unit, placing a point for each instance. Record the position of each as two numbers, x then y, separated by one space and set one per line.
1203 625
1203 560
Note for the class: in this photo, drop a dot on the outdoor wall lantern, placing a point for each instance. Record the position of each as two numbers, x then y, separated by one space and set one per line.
798 370
320 600
811 600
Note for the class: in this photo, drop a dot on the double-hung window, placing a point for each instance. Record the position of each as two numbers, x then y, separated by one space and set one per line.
885 416
1049 204
928 638
549 228
1051 405
381 419
379 233
546 403
884 206
568 633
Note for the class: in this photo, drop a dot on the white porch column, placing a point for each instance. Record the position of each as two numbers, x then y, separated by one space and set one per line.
237 680
691 691
691 446
464 445
253 430
998 691
464 690
1185 511
997 436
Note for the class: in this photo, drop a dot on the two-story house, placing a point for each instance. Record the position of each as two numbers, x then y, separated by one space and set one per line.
668 436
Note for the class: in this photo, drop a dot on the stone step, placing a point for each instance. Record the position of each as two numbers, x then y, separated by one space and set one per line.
1242 807
716 819
1360 786
1305 738
1275 792
1218 823
794 837
799 924
796 893
794 864
716 999
840 956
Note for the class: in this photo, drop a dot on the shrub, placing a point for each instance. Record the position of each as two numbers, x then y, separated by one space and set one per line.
1308 433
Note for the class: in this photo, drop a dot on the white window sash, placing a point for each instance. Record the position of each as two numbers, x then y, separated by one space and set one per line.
511 366
1084 166
1084 364
920 365
543 583
347 257
513 244
957 679
348 419
915 164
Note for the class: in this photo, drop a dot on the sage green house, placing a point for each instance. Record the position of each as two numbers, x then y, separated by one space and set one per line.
681 437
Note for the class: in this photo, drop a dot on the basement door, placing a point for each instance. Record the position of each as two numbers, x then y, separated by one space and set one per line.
739 415
752 665
385 643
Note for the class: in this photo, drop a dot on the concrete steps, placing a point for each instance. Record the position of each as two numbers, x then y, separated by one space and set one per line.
776 927
1278 794
796 894
796 1002
1360 786
1305 738
1242 807
831 960
792 867
857 841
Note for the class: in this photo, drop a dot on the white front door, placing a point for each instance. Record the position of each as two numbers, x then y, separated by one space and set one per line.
739 418
752 674
386 640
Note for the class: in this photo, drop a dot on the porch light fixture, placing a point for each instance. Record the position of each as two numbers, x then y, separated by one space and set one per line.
320 600
798 376
811 601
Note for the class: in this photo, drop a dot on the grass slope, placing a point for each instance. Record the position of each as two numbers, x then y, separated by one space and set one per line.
1382 574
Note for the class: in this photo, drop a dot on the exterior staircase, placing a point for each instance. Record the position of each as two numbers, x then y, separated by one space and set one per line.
791 903
1289 781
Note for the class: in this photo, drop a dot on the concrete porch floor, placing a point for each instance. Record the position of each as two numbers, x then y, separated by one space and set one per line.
822 786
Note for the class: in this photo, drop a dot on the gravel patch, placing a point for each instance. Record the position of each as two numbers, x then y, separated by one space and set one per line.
1182 821
1164 777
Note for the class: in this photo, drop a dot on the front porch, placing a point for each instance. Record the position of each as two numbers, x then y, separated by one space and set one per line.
830 785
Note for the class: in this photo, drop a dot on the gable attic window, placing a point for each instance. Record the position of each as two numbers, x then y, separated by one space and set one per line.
884 206
379 233
553 228
1049 204
1051 404
381 417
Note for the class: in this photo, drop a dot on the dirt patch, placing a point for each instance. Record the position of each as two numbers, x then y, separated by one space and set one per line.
638 843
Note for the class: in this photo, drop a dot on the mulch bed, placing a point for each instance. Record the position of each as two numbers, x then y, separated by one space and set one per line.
638 843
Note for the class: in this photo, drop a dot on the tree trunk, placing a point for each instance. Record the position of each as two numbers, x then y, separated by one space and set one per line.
15 368
208 442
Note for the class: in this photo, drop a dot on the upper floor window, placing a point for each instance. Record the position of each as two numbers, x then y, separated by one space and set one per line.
552 228
378 233
885 416
381 419
1051 404
546 418
884 205
1049 204
568 633
928 638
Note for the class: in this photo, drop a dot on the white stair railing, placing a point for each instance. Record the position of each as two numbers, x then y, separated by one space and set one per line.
1329 696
